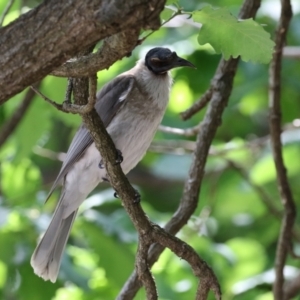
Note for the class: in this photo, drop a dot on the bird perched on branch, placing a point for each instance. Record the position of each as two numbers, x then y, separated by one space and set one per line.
131 107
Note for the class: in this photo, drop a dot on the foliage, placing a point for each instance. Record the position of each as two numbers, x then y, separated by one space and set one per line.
232 229
233 37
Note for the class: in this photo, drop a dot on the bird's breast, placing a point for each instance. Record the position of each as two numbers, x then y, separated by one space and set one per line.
134 127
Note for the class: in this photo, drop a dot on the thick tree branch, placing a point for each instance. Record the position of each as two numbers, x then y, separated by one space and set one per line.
57 30
221 86
284 241
114 48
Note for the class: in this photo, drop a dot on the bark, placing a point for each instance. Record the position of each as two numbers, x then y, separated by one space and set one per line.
44 38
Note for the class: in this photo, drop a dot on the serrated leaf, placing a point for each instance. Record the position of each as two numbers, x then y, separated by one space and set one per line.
233 37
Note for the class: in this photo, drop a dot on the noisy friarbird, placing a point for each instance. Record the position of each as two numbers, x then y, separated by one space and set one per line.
131 107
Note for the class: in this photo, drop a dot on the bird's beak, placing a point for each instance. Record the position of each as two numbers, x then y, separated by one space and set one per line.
181 62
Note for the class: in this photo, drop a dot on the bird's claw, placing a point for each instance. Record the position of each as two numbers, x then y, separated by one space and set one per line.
137 197
119 157
119 160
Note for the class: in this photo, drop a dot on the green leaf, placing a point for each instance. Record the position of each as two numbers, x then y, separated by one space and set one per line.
233 37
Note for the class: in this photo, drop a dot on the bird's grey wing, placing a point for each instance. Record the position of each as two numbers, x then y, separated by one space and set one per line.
109 100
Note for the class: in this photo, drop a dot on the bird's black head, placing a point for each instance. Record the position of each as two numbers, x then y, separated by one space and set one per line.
160 60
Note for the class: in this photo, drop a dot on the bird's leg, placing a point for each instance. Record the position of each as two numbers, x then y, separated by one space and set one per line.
119 159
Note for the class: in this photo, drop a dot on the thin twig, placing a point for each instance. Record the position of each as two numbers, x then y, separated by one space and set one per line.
288 220
5 11
208 280
67 106
197 106
53 103
176 13
8 127
188 132
142 268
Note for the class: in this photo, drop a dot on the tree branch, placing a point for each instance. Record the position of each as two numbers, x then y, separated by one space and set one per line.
114 48
197 106
288 220
141 265
55 31
188 132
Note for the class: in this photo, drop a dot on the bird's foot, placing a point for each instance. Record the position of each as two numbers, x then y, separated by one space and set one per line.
119 157
136 199
119 160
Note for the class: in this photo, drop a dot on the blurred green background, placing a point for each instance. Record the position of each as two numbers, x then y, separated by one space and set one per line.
232 229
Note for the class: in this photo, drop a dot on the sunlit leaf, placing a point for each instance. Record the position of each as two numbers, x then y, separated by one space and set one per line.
233 37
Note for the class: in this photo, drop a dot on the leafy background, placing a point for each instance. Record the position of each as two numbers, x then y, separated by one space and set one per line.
232 229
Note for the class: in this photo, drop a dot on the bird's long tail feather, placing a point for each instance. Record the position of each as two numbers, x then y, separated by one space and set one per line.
47 256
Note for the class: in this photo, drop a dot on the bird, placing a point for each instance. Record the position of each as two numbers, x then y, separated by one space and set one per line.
131 107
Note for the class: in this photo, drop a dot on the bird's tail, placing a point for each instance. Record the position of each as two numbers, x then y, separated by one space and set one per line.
47 256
